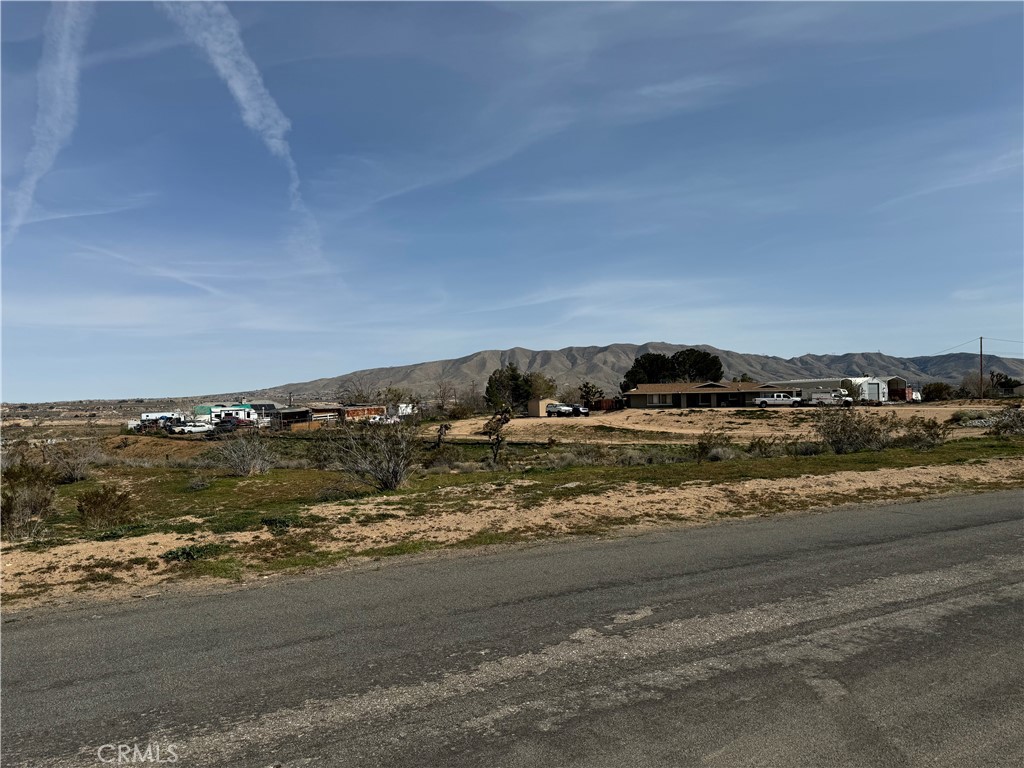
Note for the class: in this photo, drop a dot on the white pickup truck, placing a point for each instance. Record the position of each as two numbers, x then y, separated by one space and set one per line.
778 398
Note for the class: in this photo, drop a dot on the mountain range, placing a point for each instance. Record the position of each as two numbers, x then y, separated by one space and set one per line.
605 367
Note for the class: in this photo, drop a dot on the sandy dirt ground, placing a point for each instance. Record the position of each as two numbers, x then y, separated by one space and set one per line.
58 576
634 425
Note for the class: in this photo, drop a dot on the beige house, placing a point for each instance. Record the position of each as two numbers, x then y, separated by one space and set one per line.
710 394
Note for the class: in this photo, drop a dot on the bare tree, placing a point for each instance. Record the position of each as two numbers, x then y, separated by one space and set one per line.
378 455
444 393
72 460
246 456
471 397
356 388
568 394
976 385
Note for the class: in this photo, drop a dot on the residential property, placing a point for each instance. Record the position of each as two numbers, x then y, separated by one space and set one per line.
874 389
710 394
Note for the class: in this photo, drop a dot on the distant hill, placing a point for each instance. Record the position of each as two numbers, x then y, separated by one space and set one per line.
605 366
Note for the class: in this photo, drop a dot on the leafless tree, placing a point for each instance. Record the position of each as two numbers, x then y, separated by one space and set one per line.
246 456
976 385
356 388
378 455
72 460
444 394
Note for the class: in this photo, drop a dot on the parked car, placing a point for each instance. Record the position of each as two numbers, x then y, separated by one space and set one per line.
558 409
580 410
193 428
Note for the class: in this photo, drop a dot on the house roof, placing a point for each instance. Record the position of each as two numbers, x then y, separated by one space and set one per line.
688 387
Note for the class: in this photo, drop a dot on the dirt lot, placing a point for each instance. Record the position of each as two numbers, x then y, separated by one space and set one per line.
515 507
487 513
674 424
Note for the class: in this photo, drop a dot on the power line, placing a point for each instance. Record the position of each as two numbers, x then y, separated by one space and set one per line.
987 339
970 341
1008 341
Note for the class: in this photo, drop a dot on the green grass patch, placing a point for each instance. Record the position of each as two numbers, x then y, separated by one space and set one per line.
304 561
192 552
490 537
222 568
402 548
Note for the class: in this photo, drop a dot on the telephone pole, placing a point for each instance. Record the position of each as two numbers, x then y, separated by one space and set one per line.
981 368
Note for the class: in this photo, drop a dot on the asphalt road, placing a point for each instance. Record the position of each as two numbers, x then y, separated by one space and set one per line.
885 636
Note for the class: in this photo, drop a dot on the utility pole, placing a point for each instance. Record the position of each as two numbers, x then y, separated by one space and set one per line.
981 368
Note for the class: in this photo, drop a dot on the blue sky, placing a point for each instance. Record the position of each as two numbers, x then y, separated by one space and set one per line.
211 198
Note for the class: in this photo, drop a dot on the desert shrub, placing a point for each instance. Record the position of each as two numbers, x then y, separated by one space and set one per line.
922 433
26 499
246 456
631 457
192 552
765 447
459 411
15 453
936 390
73 460
279 524
104 507
443 457
378 455
845 430
707 441
969 414
322 452
197 483
1009 421
338 493
580 455
803 448
722 453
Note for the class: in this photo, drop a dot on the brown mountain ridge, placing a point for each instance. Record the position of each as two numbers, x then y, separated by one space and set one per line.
605 366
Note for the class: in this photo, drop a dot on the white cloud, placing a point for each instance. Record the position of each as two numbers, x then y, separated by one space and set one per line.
157 270
63 39
689 93
212 28
980 172
130 203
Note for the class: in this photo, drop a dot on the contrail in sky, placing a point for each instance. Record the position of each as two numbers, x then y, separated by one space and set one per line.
212 28
67 27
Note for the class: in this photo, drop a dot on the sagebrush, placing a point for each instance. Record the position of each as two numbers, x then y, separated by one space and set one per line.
105 507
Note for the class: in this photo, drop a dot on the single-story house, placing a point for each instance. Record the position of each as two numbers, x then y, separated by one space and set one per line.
709 394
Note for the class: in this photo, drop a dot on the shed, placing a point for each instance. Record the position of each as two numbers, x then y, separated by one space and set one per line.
537 407
290 418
